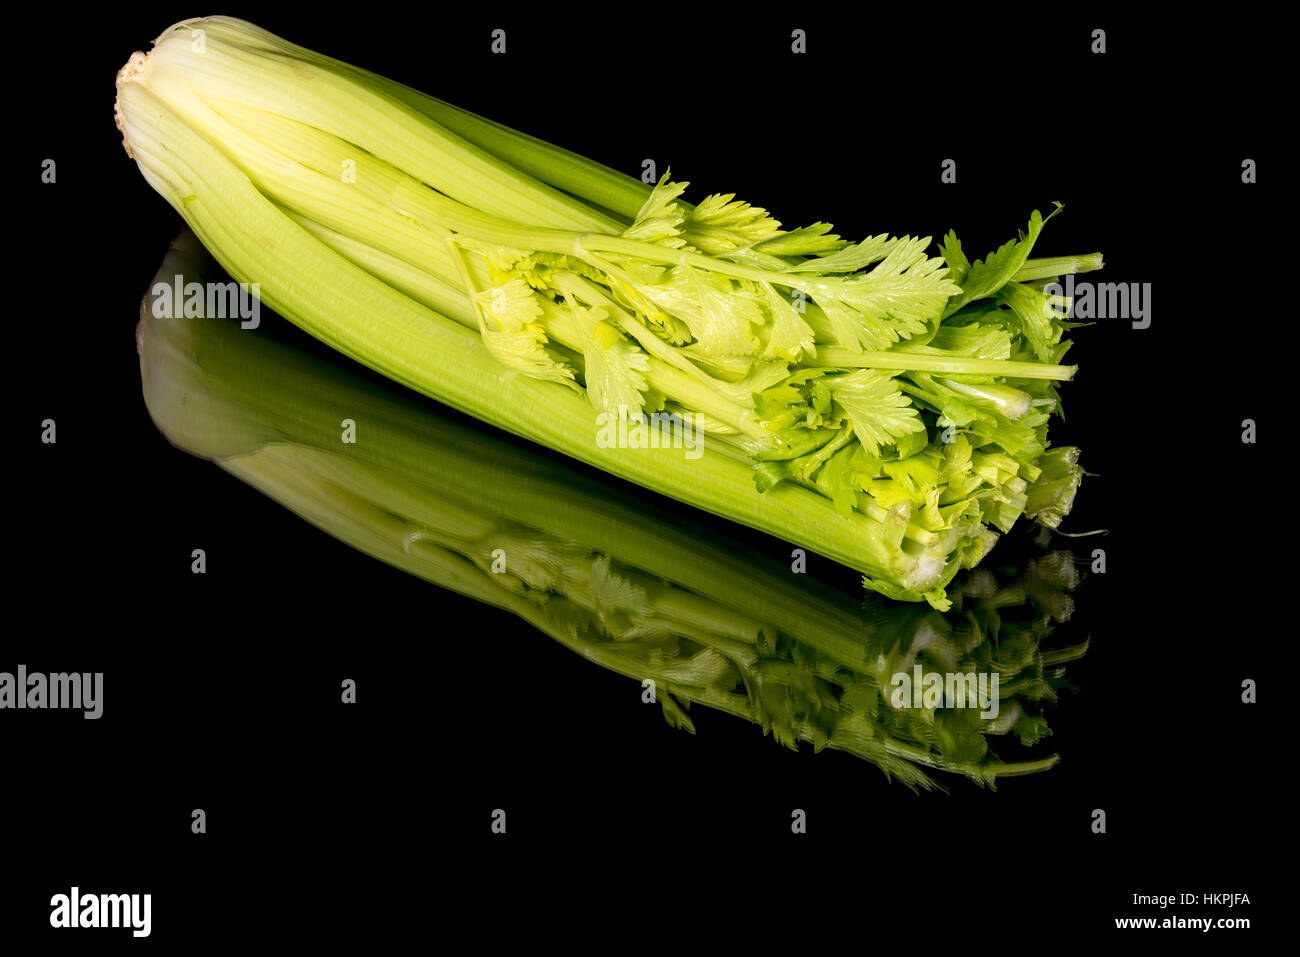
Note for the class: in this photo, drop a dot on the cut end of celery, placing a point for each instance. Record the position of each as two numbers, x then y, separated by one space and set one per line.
136 67
924 574
1051 497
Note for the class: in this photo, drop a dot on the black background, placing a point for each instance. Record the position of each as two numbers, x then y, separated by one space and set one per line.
372 822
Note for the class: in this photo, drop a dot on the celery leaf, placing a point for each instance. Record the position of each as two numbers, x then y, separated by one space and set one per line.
852 258
508 320
814 240
877 408
790 336
615 371
721 223
891 302
987 276
1039 320
661 217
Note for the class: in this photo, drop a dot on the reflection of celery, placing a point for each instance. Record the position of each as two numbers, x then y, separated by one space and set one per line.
633 591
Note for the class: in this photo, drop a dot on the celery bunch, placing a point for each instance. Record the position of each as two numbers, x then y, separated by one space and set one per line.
879 405
639 593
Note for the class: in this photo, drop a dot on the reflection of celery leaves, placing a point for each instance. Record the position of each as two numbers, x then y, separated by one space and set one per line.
613 593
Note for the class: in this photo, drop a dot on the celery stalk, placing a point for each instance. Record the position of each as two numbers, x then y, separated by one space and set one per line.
549 295
366 319
597 185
